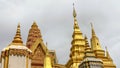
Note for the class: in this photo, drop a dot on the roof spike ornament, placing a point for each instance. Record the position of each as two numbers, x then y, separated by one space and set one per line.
76 27
47 53
74 12
93 32
34 24
107 53
17 39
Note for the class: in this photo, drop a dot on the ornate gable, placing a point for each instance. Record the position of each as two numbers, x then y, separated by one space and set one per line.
39 51
36 44
38 57
39 54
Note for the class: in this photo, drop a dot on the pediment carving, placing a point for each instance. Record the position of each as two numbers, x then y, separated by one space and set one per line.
39 55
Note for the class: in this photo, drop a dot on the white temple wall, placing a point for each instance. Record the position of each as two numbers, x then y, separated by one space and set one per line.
29 63
2 65
17 61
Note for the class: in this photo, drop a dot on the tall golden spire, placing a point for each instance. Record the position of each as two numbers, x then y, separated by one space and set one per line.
98 51
17 38
34 34
76 27
95 44
78 44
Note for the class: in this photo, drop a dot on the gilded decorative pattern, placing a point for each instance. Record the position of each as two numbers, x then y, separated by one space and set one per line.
16 52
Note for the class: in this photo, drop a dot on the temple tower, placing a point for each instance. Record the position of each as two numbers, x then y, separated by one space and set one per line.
36 45
99 52
33 35
95 45
78 45
16 54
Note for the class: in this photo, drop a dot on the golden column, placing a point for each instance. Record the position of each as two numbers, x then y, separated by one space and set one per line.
47 60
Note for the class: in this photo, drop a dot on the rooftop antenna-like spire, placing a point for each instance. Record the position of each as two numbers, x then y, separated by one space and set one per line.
107 53
93 32
74 12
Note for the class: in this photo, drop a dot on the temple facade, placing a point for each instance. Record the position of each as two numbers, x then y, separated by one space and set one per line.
35 53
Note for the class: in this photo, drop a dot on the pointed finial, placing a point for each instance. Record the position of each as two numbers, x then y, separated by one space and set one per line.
46 44
73 4
75 19
17 38
93 32
74 12
47 53
107 53
34 24
106 48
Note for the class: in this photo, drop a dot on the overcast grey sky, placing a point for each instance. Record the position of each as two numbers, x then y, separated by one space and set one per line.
55 20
